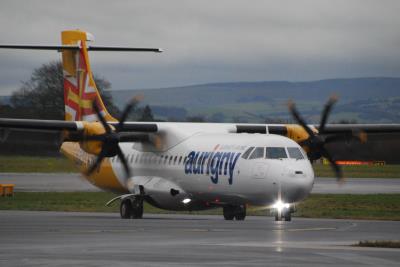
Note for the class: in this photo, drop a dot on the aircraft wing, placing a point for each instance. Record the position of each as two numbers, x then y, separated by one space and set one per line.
367 128
72 126
284 129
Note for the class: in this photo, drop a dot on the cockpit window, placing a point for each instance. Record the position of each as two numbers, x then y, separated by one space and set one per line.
247 152
257 153
275 153
295 153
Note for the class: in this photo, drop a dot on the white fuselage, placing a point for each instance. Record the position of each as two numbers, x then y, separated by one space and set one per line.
205 164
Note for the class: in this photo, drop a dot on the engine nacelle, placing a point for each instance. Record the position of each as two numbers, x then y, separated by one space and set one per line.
91 129
298 134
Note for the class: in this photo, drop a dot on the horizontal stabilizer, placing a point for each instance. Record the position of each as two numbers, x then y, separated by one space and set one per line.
74 48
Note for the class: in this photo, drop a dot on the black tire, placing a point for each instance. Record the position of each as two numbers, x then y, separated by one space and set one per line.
240 213
229 213
137 209
277 217
125 209
288 216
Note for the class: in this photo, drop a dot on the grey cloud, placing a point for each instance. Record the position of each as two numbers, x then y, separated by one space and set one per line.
211 41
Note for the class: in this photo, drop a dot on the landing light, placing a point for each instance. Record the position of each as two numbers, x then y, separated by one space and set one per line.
279 205
186 201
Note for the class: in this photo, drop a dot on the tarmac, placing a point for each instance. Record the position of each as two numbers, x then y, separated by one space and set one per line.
67 182
30 238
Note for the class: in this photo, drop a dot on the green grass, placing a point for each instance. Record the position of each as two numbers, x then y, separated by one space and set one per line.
61 164
360 171
376 207
35 164
371 207
58 201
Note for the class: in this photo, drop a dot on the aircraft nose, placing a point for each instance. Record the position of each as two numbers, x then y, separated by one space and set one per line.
297 184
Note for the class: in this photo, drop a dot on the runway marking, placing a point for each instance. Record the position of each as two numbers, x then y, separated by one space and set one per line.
326 246
206 230
96 231
365 260
305 229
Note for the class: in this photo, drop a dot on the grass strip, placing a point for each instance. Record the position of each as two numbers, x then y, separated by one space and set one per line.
61 164
371 207
35 164
347 206
360 171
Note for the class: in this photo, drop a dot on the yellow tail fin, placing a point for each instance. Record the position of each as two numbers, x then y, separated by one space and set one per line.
79 87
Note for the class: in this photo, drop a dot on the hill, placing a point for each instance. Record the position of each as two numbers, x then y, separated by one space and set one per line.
361 99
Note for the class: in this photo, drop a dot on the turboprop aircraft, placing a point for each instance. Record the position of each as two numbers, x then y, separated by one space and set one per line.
185 166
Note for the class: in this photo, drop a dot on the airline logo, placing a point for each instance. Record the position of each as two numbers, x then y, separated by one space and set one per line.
213 164
79 86
80 92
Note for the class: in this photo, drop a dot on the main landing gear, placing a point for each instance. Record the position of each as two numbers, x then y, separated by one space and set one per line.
235 212
131 208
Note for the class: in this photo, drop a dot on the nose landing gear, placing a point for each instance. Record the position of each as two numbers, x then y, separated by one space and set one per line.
284 214
282 211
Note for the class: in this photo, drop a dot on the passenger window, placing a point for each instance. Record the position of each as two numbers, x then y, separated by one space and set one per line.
180 160
275 153
247 152
295 153
257 153
176 157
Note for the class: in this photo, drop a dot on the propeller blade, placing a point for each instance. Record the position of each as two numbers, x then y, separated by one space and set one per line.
124 162
133 137
327 109
100 137
336 168
299 119
341 138
80 137
157 142
125 114
362 136
96 164
100 116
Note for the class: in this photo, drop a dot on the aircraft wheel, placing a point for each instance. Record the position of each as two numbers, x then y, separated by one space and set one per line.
229 213
125 209
288 216
137 209
240 213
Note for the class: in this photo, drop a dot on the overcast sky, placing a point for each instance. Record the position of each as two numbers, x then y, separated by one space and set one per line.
209 41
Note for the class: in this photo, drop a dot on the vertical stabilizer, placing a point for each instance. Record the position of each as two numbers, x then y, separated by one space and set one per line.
79 87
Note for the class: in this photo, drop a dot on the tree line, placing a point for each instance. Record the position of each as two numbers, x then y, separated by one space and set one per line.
42 97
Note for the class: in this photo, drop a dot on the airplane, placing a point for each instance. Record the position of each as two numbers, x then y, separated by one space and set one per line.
185 166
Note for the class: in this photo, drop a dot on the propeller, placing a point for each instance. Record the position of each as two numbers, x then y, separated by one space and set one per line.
316 142
112 137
